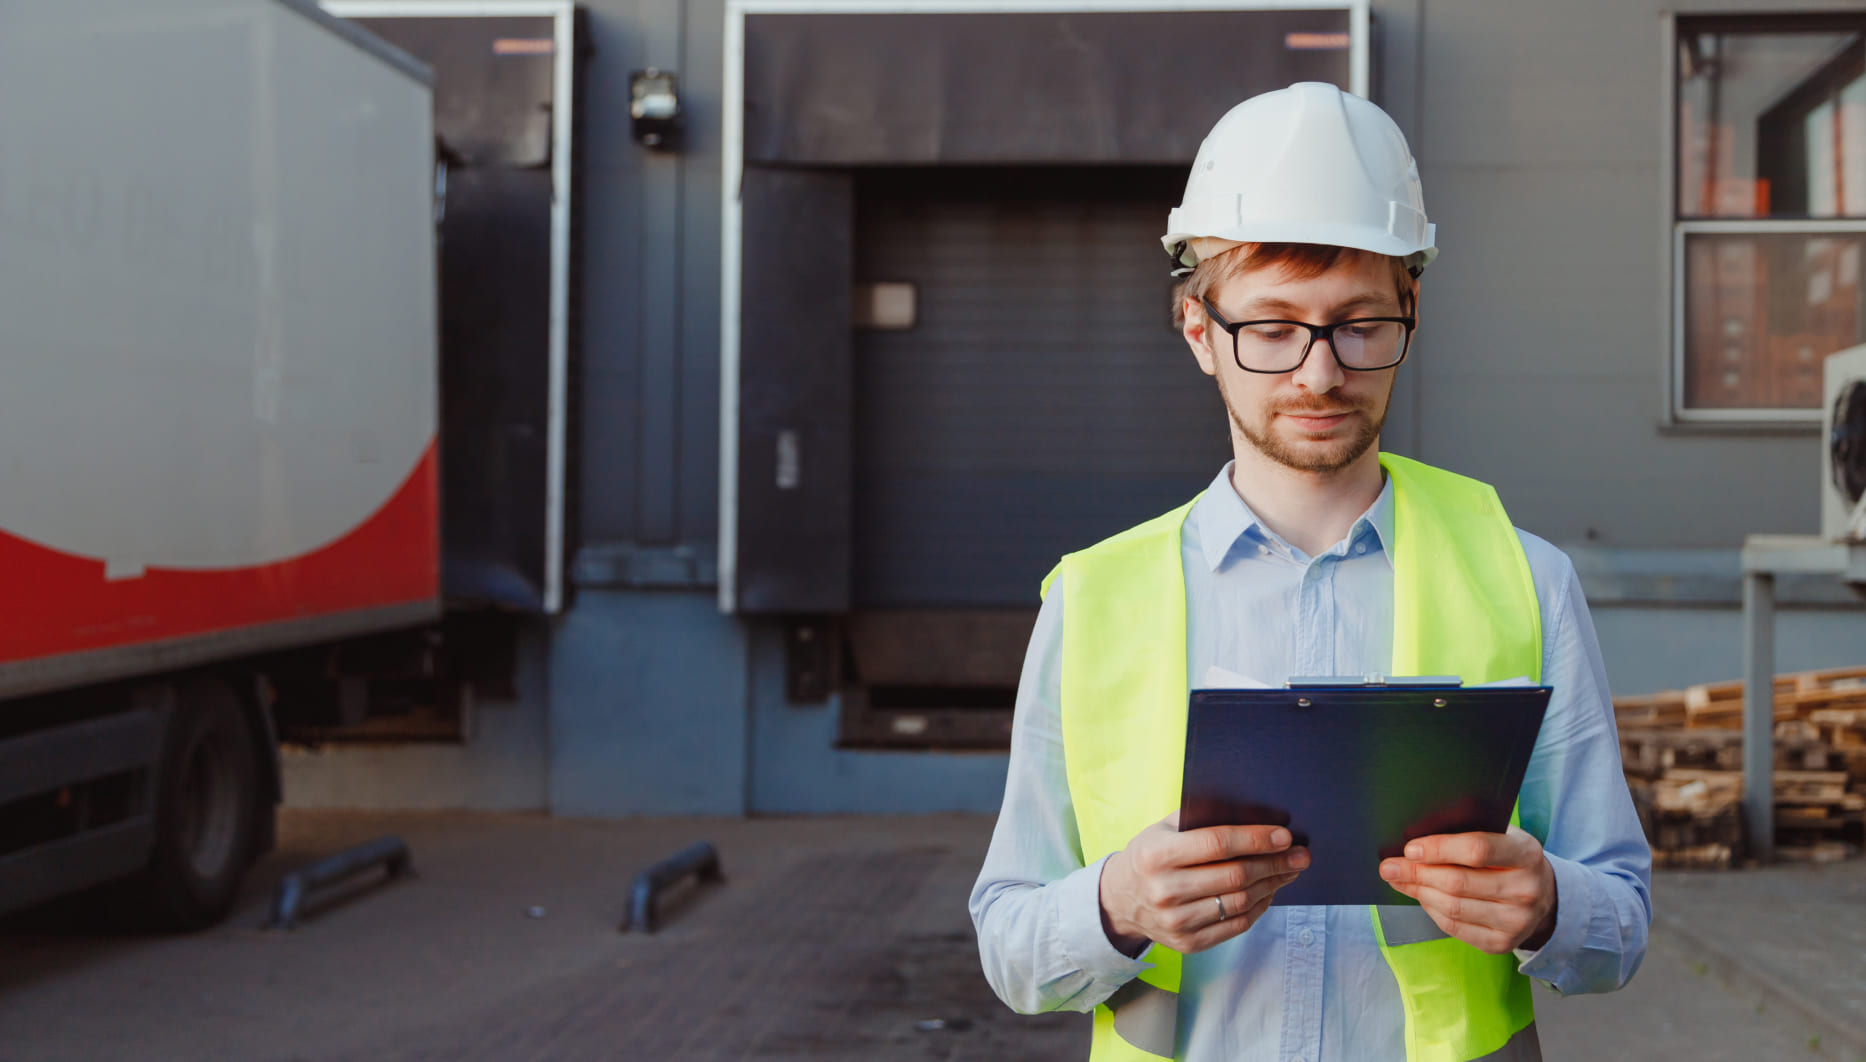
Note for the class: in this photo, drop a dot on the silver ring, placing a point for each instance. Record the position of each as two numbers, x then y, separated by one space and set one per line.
1220 901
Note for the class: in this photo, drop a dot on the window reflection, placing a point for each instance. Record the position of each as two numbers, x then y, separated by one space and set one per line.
1771 124
1762 311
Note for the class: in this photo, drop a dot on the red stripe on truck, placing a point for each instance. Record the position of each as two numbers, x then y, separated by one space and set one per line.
57 603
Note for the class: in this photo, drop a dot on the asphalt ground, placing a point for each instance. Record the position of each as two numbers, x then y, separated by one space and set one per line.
831 938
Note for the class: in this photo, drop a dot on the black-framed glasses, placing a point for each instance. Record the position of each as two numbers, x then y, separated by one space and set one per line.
1359 344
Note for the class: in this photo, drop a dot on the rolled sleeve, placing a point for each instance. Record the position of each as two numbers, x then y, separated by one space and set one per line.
1579 906
1080 934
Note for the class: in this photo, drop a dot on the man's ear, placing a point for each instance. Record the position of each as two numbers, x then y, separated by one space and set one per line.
1197 328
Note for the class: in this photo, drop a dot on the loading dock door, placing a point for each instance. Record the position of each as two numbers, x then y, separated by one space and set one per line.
1042 399
1013 161
501 112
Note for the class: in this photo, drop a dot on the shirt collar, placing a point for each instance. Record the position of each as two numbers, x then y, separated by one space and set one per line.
1228 528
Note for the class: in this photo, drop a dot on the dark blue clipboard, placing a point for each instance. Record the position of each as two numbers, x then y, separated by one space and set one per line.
1356 771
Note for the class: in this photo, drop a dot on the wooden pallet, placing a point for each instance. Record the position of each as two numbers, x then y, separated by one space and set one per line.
1818 852
1706 712
1719 705
1650 753
1697 792
1683 752
1791 787
1692 822
1666 709
1810 787
1694 857
1843 728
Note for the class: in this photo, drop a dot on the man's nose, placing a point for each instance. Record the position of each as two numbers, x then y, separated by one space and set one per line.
1319 372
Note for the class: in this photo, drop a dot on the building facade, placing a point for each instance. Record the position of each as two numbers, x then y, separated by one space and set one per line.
887 328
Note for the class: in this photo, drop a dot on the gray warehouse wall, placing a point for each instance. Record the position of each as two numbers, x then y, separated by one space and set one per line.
650 709
1541 132
1651 649
649 392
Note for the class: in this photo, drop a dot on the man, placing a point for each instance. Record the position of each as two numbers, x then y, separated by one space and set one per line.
1304 233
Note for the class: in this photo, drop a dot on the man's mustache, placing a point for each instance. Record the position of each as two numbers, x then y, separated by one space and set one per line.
1313 407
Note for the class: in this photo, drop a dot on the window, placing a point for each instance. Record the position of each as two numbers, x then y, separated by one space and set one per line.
1769 222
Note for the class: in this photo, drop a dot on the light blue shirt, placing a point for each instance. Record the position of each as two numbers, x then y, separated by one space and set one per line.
1308 984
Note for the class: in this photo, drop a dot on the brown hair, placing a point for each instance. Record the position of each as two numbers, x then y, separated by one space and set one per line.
1302 261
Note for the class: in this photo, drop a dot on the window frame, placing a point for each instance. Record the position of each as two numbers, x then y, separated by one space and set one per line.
1678 229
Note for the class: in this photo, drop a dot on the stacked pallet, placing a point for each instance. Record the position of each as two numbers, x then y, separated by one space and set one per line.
1692 818
1683 754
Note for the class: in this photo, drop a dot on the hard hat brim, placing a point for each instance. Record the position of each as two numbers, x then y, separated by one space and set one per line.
1358 237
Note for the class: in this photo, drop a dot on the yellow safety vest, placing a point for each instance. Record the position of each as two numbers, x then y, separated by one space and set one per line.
1464 603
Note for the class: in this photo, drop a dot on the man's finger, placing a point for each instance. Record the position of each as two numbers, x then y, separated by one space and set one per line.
1435 912
1215 844
1206 911
1257 893
1501 886
1235 875
1493 927
1468 850
1235 925
1509 885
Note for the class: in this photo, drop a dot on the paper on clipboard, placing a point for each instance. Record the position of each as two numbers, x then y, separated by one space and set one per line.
1218 678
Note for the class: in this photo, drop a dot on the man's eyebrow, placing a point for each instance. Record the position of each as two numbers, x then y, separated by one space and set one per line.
1267 305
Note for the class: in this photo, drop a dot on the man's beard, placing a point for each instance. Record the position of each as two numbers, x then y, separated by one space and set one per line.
1337 455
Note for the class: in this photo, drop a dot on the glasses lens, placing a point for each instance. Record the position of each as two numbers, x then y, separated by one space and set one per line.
1271 346
1369 344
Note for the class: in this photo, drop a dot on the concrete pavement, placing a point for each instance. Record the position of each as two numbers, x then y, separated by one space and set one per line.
1792 936
833 938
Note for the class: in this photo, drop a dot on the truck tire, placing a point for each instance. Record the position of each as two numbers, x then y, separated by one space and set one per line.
207 801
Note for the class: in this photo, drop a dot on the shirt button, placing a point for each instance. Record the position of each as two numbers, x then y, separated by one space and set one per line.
1298 1058
1360 549
1307 937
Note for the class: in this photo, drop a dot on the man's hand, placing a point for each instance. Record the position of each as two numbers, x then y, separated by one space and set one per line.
1494 891
1168 886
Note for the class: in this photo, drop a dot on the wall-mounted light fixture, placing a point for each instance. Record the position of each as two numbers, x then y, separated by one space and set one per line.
654 108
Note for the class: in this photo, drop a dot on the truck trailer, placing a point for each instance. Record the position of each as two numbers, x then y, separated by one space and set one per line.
218 419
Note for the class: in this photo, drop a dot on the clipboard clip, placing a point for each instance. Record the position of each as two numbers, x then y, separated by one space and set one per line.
1375 680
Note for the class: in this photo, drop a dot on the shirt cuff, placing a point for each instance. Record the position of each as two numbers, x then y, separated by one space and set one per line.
1078 909
1574 904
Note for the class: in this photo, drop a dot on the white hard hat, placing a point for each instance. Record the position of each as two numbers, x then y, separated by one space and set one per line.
1305 164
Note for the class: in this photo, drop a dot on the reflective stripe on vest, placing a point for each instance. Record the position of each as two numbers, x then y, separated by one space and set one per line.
1464 603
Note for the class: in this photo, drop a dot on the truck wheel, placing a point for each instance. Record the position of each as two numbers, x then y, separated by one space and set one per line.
206 803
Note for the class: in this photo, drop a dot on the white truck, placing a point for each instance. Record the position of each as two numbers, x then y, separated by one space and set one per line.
218 410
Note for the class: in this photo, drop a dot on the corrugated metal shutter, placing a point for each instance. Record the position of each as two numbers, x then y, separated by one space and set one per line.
1041 402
